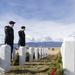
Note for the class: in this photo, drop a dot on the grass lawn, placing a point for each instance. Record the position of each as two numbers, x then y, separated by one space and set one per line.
38 67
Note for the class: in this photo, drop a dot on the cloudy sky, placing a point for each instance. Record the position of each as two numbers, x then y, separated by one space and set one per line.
45 20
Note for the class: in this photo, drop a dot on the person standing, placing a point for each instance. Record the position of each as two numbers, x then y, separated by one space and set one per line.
9 35
21 34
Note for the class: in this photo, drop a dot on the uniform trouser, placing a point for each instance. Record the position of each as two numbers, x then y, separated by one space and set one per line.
11 50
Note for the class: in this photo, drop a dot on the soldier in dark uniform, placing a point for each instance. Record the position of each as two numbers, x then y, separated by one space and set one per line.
21 34
9 35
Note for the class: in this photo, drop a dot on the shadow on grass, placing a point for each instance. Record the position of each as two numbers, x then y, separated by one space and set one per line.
48 58
27 71
37 64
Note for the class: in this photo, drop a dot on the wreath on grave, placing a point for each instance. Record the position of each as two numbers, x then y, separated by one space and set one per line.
55 67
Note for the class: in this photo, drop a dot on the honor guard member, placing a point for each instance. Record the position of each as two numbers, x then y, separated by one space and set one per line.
21 34
9 35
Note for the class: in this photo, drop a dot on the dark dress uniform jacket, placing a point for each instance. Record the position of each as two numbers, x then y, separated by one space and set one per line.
21 38
9 35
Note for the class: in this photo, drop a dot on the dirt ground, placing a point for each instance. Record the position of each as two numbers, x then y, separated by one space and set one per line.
38 67
53 50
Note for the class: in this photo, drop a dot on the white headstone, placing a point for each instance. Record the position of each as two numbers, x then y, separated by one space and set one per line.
14 53
22 55
36 53
68 55
45 52
31 50
61 49
40 52
5 55
62 52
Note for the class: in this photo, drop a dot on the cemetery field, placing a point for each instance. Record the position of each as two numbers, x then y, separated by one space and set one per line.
38 67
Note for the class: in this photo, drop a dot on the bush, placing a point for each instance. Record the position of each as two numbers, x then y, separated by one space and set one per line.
27 56
15 60
52 49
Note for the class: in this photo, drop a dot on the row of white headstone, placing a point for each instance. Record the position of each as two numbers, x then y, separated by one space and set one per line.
68 55
43 52
5 54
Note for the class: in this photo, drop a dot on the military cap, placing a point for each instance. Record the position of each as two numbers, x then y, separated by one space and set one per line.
11 22
23 27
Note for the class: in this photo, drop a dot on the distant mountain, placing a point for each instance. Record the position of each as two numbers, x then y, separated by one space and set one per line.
42 44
